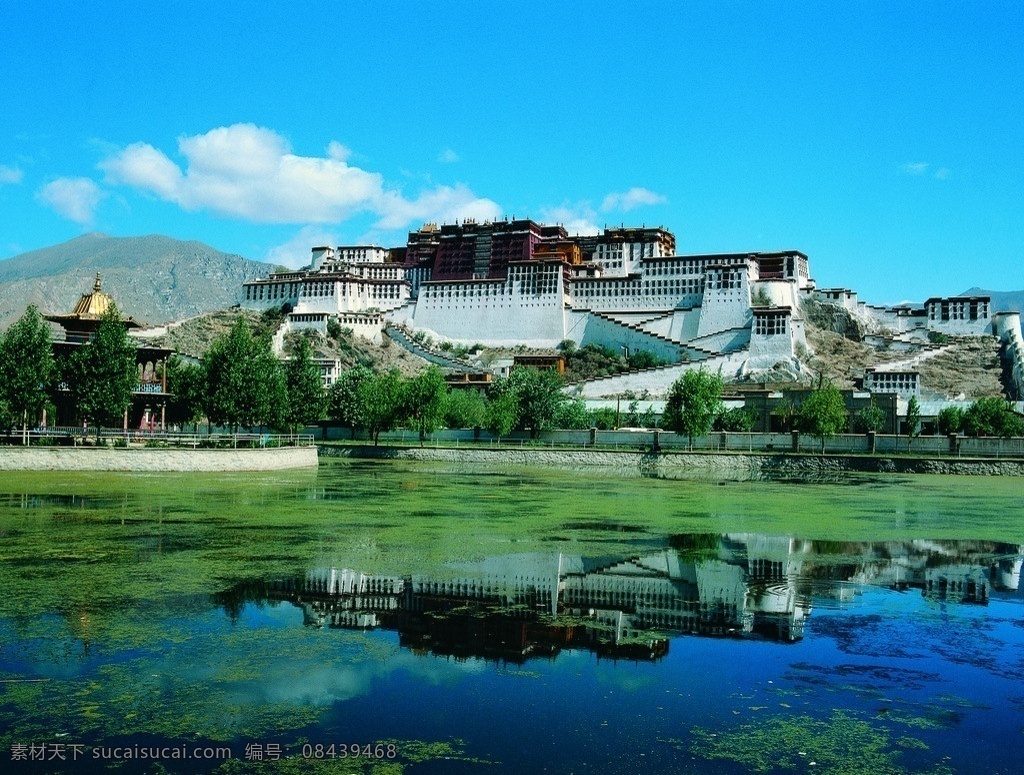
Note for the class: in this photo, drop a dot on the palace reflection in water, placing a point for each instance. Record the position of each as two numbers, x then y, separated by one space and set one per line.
515 607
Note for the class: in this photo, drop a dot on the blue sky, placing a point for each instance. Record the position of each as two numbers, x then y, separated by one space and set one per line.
883 139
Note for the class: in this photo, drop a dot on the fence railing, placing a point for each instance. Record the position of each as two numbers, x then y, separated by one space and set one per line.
76 436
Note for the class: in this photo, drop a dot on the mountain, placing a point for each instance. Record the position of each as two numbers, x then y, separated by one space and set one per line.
153 279
1002 301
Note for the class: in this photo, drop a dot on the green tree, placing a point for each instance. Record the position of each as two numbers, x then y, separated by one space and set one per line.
466 409
787 414
823 414
26 362
572 415
648 418
306 399
187 387
694 401
502 412
382 399
245 382
870 418
642 359
632 418
345 403
567 346
992 416
592 360
102 374
739 419
426 400
950 419
913 420
538 395
603 418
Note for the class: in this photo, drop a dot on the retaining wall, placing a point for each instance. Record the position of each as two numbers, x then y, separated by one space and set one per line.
683 464
155 459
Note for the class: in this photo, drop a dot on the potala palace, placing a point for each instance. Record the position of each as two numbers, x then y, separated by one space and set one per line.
517 282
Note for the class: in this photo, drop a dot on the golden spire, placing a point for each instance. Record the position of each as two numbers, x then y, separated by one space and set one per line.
95 303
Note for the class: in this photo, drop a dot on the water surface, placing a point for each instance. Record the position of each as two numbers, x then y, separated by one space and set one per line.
471 619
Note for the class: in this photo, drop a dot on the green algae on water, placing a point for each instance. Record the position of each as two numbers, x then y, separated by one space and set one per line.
845 744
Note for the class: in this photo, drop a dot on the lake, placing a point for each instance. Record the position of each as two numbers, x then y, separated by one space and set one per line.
388 617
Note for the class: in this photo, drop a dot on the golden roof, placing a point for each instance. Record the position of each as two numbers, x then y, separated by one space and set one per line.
95 303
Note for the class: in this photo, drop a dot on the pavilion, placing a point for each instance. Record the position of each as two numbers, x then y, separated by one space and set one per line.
148 410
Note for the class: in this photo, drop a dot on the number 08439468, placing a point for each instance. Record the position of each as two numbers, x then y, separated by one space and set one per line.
350 751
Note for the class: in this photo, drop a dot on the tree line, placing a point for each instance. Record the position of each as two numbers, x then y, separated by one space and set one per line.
242 384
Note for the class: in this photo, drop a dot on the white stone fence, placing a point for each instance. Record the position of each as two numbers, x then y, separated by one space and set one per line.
843 444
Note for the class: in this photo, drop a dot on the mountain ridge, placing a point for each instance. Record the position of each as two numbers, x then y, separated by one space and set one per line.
1002 301
152 278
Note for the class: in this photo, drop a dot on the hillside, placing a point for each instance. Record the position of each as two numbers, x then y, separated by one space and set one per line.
968 365
153 279
193 337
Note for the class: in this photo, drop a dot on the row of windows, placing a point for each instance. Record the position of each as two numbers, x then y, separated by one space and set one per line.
361 254
270 291
446 303
669 287
895 380
693 265
488 290
642 249
322 290
958 311
379 272
769 325
725 281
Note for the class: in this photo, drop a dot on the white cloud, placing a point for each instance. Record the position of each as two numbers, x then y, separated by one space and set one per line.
629 200
10 174
443 204
918 168
249 172
915 168
295 253
74 198
448 156
578 218
142 166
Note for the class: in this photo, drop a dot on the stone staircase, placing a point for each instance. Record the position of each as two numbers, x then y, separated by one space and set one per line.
926 352
690 354
403 339
635 327
648 370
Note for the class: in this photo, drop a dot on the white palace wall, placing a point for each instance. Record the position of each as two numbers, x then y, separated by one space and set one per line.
726 302
491 313
635 294
684 325
783 293
333 296
1007 327
959 321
